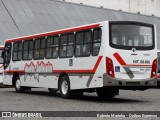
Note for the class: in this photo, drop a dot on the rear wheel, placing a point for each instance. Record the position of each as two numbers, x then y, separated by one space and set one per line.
65 87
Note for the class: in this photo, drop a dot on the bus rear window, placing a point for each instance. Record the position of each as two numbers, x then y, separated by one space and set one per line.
128 36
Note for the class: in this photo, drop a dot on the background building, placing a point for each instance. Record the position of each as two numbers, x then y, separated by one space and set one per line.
147 7
25 17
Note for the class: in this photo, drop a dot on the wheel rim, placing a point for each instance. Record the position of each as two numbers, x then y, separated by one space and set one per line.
64 87
18 84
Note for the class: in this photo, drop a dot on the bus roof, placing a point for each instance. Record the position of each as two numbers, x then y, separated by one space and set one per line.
51 33
63 31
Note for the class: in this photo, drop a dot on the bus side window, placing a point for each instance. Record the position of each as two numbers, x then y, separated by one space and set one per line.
49 47
83 44
30 56
27 50
39 48
42 48
20 51
36 49
63 46
79 44
70 45
17 51
66 45
87 43
52 47
97 33
55 46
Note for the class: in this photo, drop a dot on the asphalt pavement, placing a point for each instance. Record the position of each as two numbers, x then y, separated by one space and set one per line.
39 99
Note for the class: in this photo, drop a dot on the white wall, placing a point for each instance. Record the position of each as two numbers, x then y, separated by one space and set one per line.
147 7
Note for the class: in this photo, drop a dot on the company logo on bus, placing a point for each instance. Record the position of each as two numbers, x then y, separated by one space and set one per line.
134 49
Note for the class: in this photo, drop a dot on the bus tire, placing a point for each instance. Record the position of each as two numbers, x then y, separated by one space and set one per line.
52 90
105 94
65 87
18 87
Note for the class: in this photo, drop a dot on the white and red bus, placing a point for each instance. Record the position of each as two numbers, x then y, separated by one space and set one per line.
102 57
1 65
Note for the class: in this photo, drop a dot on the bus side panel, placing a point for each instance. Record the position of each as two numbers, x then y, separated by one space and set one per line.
42 80
7 79
34 76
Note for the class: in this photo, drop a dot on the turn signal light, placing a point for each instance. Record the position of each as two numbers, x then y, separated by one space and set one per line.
109 67
154 69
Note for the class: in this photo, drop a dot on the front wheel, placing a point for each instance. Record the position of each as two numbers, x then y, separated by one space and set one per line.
65 87
18 87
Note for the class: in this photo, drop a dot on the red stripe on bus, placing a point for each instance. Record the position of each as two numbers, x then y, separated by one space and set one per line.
53 33
119 59
97 63
81 71
73 71
13 71
122 62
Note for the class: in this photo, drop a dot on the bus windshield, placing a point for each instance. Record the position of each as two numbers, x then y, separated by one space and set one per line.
128 36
